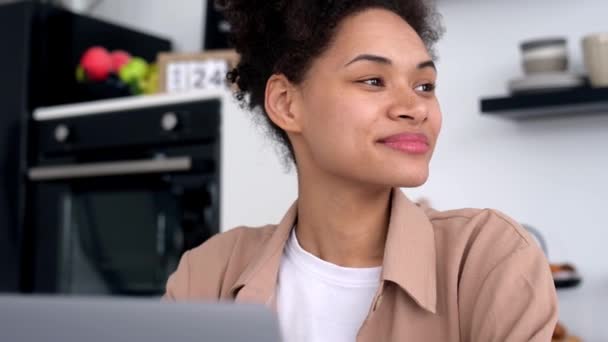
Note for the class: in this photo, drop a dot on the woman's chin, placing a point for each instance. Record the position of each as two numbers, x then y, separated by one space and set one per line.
410 180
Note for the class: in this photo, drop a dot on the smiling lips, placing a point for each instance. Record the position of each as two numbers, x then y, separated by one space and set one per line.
411 143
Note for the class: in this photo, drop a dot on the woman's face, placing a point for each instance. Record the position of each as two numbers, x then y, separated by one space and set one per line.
368 108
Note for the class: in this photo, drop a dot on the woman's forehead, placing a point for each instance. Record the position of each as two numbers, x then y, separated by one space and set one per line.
378 32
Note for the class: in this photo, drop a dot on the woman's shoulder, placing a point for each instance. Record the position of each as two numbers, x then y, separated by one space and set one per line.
229 253
246 240
207 271
500 272
478 241
479 225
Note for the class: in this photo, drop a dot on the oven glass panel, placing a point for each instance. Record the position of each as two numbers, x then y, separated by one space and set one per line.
118 241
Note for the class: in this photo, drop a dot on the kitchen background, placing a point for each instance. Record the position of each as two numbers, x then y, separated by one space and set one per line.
547 172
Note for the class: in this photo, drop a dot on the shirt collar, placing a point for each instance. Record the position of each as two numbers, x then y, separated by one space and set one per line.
409 253
409 257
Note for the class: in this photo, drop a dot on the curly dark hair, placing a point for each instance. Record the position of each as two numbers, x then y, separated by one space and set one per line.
284 37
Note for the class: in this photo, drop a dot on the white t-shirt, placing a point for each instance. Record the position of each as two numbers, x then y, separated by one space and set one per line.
318 301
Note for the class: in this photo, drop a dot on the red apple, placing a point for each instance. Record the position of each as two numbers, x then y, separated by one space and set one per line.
119 58
96 63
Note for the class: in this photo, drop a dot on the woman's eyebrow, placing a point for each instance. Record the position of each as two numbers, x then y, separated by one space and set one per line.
370 58
387 61
427 64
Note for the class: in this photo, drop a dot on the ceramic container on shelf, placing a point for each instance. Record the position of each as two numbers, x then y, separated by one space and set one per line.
595 53
544 55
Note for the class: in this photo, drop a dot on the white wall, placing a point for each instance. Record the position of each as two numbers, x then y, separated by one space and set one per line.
256 188
179 20
549 173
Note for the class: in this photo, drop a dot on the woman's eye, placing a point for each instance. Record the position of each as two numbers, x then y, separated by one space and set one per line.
427 87
374 82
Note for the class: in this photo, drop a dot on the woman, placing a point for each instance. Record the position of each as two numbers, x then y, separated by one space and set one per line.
348 88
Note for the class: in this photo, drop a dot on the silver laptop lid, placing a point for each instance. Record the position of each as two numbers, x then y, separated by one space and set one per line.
67 319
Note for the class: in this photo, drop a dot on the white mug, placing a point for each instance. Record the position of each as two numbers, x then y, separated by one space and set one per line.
595 53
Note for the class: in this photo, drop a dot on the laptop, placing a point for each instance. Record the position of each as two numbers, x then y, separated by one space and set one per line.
70 319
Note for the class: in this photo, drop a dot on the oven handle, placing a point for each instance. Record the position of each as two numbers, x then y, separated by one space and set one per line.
171 164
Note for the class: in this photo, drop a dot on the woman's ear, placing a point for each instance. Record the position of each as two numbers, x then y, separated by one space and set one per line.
279 103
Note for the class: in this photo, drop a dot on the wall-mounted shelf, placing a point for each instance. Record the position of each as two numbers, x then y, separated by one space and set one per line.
584 100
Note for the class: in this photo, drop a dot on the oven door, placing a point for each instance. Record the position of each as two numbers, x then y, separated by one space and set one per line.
115 228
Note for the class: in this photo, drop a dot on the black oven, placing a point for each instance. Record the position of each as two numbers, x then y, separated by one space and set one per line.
40 46
117 190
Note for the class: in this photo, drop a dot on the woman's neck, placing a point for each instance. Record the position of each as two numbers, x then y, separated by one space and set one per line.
342 223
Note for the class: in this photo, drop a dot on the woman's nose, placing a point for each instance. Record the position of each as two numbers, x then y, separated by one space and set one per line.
408 106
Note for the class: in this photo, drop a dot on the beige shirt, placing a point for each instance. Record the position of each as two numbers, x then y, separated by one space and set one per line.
460 275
